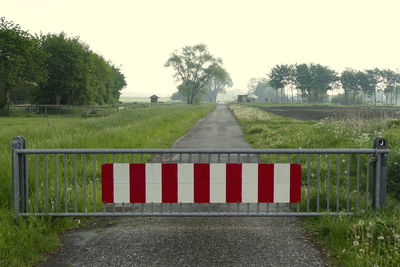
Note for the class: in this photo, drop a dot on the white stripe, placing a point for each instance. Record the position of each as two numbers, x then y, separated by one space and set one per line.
282 183
153 182
218 183
121 183
250 183
185 183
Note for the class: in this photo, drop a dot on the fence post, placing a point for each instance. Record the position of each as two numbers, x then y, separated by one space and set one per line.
20 194
380 173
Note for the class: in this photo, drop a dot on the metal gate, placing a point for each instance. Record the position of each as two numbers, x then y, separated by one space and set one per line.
67 182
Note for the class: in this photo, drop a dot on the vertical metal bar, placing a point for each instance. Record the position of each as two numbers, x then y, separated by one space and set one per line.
269 158
75 190
46 185
132 158
358 182
338 183
56 179
65 184
113 158
367 187
209 158
84 184
348 184
141 158
328 183
238 157
37 182
219 157
19 175
308 181
180 157
94 182
318 179
27 181
298 204
229 157
122 158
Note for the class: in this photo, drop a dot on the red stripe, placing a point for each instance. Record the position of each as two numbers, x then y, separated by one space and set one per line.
169 182
107 183
137 176
233 183
201 181
265 183
295 183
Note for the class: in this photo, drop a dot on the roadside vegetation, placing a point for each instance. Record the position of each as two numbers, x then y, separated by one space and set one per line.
369 239
24 240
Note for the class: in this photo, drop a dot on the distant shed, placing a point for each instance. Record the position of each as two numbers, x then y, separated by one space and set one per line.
154 99
242 98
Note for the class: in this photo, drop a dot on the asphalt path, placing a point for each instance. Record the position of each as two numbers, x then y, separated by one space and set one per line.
186 241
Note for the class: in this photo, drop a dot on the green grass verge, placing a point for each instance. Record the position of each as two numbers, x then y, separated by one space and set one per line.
24 240
363 240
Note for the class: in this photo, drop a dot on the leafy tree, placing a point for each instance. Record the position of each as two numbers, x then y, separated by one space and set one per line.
194 68
21 60
364 84
349 81
176 96
264 91
280 77
67 69
217 85
314 80
373 79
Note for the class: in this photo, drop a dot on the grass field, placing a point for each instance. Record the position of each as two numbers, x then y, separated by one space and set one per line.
370 239
24 240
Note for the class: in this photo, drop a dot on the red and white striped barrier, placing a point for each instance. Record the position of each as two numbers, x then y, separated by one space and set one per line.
201 183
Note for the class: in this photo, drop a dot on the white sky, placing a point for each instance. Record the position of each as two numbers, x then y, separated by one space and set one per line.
250 36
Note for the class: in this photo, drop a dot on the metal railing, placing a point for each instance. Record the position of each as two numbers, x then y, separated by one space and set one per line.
67 182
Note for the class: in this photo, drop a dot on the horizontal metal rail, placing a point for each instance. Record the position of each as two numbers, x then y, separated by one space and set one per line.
201 151
186 214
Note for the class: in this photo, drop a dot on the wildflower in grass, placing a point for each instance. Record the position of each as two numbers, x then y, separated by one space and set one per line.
362 251
371 224
357 237
355 243
369 235
380 237
396 236
360 222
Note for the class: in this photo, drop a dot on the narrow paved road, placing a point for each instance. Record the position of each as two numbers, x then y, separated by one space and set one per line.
192 241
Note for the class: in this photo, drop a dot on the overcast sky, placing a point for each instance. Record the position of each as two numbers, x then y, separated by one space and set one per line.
250 36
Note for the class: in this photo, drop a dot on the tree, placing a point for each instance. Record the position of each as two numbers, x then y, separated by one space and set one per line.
218 84
68 71
280 77
194 68
314 80
373 79
263 91
349 81
21 60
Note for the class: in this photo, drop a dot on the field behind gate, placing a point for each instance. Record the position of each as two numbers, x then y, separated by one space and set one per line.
23 240
364 240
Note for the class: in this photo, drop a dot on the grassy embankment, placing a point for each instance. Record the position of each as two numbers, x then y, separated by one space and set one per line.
24 240
372 238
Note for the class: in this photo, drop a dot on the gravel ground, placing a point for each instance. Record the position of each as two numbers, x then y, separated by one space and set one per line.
188 241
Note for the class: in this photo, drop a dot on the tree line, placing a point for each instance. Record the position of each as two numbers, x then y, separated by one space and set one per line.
53 69
311 83
200 75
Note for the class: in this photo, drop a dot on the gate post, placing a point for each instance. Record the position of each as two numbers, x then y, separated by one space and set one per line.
20 183
379 173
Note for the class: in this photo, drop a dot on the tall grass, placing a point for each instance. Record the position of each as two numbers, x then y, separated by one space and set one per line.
23 240
371 238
